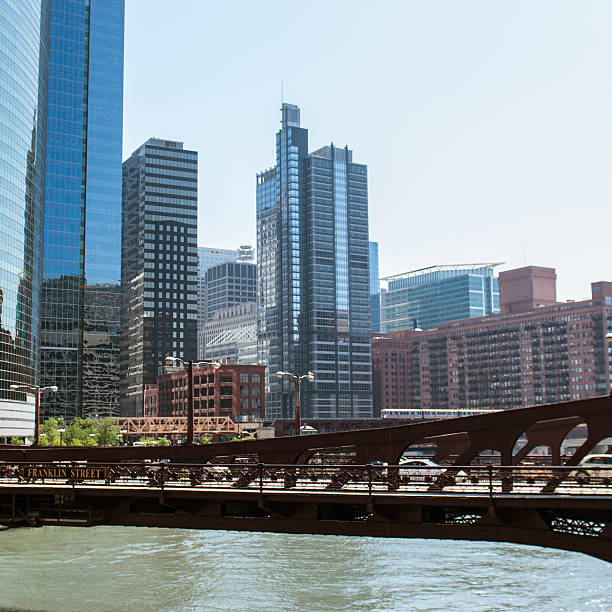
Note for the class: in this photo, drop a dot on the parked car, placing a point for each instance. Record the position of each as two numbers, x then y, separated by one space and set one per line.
591 462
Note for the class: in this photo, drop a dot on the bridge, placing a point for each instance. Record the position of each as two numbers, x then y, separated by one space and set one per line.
164 426
292 485
495 503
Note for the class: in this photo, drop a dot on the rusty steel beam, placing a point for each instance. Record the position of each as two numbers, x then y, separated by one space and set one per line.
461 439
580 523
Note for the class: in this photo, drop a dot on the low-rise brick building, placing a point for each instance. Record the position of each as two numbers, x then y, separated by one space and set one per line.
234 390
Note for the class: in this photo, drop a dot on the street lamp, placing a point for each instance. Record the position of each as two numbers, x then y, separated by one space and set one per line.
297 379
188 365
36 389
60 431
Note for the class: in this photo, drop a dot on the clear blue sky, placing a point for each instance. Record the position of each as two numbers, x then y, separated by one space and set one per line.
485 125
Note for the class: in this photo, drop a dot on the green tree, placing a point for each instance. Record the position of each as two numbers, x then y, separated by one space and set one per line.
107 433
16 440
78 433
150 441
49 436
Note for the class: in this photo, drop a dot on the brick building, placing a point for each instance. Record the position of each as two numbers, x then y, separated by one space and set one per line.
550 353
234 390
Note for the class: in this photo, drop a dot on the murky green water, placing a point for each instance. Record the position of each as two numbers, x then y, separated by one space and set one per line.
125 568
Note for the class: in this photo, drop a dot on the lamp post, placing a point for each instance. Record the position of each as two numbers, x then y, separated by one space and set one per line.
36 389
60 431
189 365
297 379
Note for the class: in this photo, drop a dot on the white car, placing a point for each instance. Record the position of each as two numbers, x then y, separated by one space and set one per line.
415 466
594 461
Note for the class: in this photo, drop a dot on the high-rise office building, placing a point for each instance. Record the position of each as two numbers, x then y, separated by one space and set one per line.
207 258
80 297
228 284
423 298
159 264
374 289
24 32
230 335
313 289
224 286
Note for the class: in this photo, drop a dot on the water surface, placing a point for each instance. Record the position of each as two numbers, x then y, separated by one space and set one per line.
137 568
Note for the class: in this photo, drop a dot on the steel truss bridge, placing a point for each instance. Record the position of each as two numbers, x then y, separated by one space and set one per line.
163 426
288 484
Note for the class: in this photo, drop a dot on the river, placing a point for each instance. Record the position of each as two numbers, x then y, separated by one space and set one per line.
137 568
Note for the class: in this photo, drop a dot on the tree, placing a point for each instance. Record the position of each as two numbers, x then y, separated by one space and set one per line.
16 440
150 441
107 433
77 433
49 436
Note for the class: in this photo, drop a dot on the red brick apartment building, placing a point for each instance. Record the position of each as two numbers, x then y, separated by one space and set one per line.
537 351
234 390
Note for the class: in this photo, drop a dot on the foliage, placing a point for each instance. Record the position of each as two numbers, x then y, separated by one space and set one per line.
205 440
81 432
107 433
150 441
243 437
17 441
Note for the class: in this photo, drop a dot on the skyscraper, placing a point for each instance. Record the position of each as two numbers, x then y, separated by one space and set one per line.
207 258
374 288
228 284
80 297
159 261
424 298
313 272
24 32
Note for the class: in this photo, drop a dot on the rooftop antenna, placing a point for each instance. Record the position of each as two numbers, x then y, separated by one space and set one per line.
282 95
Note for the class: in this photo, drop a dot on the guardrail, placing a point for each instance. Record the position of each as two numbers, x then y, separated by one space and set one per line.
371 479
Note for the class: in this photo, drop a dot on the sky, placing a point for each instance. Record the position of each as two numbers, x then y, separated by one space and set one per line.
485 125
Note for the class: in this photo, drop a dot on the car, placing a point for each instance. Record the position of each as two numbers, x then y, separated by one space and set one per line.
415 466
591 462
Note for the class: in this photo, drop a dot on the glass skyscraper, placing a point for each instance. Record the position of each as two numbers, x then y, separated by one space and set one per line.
159 264
423 298
313 267
374 288
80 298
24 39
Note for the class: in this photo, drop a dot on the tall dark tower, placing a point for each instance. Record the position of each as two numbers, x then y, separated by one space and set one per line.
159 260
313 273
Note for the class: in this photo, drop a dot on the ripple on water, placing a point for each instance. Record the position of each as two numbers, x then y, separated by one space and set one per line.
117 568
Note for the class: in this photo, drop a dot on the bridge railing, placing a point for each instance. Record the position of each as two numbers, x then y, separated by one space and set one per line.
371 479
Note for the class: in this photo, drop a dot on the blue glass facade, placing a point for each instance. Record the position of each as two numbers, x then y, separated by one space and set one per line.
313 283
374 288
24 30
425 298
82 252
